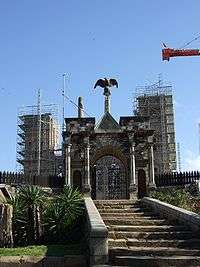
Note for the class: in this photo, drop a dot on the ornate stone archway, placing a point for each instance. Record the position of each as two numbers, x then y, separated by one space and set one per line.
109 174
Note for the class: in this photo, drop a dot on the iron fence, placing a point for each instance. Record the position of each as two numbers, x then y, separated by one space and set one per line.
177 178
14 178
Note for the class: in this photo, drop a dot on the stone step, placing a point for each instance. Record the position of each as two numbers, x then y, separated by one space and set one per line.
152 235
147 228
125 215
157 261
119 210
162 251
107 265
132 221
121 206
127 211
117 201
130 242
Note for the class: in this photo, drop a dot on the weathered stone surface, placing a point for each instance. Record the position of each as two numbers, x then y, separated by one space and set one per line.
97 234
6 213
147 241
174 213
108 138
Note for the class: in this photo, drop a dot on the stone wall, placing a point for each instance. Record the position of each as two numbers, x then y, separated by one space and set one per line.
6 213
97 234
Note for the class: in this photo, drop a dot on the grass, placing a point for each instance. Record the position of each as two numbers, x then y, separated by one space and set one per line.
43 250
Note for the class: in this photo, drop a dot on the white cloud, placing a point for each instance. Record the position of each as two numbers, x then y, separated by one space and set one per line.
192 162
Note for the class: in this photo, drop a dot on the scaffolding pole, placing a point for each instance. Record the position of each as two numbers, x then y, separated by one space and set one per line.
179 156
37 138
199 136
39 132
155 101
63 102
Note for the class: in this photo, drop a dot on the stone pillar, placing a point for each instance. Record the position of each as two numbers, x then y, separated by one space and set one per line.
107 94
107 104
132 188
152 173
68 180
80 107
87 187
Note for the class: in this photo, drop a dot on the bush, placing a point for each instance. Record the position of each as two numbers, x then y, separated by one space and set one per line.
27 204
37 218
62 216
178 197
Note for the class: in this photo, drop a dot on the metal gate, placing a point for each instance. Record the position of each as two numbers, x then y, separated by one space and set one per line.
110 178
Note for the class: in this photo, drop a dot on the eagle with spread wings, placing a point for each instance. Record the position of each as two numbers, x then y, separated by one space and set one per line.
105 83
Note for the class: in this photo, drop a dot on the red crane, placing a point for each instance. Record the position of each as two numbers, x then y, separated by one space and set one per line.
169 52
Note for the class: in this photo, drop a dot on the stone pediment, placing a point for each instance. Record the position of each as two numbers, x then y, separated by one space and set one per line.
107 123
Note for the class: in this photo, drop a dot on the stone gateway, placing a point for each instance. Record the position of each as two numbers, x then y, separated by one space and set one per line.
109 159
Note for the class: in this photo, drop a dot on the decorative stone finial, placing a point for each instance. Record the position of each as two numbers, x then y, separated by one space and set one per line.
106 84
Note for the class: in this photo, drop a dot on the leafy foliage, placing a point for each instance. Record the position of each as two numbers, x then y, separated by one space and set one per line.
19 220
61 216
178 197
37 218
31 195
32 198
26 214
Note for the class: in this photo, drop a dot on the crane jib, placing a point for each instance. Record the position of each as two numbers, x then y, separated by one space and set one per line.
169 52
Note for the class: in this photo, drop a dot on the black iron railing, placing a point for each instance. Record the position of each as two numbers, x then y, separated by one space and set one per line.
177 178
14 178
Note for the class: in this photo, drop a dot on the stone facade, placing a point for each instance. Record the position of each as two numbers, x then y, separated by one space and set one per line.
107 159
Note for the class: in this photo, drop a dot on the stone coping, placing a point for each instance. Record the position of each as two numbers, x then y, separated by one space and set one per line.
97 234
169 211
97 227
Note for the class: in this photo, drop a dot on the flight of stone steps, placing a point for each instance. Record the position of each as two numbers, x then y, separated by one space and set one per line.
139 238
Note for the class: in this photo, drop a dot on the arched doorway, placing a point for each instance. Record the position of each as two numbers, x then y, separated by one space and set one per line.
109 178
142 188
77 180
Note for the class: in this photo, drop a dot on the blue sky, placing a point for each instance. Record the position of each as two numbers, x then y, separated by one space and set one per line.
90 39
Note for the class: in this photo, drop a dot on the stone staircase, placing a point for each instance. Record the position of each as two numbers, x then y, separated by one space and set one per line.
138 238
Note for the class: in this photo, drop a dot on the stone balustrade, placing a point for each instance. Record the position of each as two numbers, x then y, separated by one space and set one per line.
173 213
97 234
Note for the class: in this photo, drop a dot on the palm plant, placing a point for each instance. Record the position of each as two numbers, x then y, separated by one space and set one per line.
72 202
19 220
62 214
32 198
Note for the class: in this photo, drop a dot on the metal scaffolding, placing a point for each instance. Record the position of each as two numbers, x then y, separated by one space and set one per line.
38 136
156 102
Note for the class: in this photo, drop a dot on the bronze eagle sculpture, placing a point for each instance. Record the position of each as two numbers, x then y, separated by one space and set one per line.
105 83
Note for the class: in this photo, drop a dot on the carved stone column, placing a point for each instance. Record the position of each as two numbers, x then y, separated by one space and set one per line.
68 180
87 187
107 99
152 172
132 188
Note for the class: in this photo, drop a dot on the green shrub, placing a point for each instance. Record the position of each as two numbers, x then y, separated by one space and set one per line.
37 219
19 221
62 216
27 204
178 197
